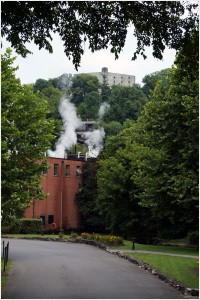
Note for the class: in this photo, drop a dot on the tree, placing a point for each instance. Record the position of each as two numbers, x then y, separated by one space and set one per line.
154 163
53 97
40 85
89 108
111 128
26 136
82 85
63 83
117 200
125 103
101 23
86 197
152 79
86 96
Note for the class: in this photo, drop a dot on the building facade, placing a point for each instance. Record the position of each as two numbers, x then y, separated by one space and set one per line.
60 182
111 79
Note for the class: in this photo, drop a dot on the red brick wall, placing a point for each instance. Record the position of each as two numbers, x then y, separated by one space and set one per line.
61 190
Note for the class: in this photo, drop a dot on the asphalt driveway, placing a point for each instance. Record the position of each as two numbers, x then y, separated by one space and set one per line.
57 270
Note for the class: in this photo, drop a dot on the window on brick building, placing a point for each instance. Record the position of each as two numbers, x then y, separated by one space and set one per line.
67 171
78 171
55 171
50 219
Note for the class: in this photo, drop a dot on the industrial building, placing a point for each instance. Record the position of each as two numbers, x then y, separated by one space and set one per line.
111 79
60 182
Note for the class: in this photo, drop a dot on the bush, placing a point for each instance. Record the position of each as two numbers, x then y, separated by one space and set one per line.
74 235
16 226
31 225
193 238
105 239
11 225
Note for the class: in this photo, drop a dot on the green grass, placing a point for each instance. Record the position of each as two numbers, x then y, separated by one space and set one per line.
4 275
182 269
165 249
45 236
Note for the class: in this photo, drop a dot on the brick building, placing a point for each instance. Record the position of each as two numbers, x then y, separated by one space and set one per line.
61 182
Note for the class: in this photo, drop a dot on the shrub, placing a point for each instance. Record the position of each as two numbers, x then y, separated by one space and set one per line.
193 238
61 234
31 225
11 225
85 235
105 239
74 235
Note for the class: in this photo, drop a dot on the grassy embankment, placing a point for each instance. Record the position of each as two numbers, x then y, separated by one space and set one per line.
183 269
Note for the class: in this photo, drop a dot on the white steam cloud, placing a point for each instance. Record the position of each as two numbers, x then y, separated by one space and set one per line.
94 139
70 122
104 106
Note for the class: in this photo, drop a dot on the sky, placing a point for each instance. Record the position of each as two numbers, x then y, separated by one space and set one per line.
42 64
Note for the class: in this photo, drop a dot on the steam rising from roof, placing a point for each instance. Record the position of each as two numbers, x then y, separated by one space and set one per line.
70 121
94 139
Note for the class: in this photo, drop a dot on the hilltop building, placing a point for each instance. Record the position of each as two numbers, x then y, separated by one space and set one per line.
111 79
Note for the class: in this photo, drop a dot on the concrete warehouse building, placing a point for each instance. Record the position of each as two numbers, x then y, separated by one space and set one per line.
114 78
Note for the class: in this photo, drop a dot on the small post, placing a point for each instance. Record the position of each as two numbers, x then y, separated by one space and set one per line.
3 250
7 253
133 245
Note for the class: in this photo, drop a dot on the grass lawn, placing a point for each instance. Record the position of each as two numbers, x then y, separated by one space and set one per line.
31 236
4 275
182 269
166 249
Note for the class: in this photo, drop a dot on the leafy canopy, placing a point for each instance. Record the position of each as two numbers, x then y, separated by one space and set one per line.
26 136
154 163
100 23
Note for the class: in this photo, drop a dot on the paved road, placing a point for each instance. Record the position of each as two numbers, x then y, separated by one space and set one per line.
56 270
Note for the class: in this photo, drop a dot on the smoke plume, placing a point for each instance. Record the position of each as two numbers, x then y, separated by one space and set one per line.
104 106
70 121
94 140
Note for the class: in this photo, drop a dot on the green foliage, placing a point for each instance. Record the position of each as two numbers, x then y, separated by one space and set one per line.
26 136
156 23
152 79
61 234
125 103
10 225
24 226
193 238
111 128
86 198
148 174
63 83
74 235
30 225
82 85
85 95
110 240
